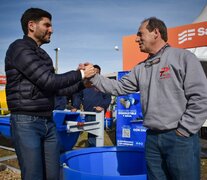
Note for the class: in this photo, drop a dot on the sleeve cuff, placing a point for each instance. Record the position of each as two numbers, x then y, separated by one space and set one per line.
183 132
82 74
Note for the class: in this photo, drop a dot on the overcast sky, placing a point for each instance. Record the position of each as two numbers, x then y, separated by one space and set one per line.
88 30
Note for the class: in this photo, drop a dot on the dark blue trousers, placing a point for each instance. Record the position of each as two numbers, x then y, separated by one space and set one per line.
172 157
37 148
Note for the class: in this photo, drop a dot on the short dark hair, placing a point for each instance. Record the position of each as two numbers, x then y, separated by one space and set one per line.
97 67
33 14
153 23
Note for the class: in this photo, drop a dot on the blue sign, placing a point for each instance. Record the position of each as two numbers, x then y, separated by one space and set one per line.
129 131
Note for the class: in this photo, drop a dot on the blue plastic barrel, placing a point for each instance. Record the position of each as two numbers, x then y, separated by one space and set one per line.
104 163
5 126
66 140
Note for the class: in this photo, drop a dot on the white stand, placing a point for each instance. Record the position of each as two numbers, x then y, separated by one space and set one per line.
93 127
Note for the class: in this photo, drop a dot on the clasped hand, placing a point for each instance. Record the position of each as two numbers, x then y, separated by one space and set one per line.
89 70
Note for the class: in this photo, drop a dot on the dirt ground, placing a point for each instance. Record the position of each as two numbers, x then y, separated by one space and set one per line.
6 173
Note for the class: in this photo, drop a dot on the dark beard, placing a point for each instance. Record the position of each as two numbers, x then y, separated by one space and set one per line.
43 40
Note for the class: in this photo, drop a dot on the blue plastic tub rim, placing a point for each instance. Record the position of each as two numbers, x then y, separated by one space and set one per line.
5 120
78 152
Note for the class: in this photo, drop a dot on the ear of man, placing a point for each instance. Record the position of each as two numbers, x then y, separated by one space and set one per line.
31 26
156 33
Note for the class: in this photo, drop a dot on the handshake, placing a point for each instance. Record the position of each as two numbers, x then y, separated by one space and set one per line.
87 70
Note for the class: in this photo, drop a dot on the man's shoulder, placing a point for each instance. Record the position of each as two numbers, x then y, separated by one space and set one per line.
21 44
178 50
23 41
18 43
180 54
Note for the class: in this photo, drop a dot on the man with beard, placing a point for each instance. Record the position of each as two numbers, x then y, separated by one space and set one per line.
31 88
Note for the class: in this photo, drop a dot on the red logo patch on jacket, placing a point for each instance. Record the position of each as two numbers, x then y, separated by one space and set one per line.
165 73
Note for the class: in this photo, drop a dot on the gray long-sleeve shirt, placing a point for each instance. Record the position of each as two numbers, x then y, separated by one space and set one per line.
173 90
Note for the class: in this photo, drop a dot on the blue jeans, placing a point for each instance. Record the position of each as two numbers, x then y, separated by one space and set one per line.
37 148
172 157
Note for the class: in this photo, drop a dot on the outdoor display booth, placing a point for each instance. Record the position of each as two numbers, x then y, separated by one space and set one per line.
126 160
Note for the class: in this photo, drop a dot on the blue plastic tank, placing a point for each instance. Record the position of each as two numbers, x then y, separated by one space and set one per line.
5 126
104 163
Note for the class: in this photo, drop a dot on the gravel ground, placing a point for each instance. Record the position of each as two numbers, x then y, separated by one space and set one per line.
203 169
8 174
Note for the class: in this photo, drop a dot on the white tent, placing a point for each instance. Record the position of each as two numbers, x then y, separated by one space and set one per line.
201 52
202 17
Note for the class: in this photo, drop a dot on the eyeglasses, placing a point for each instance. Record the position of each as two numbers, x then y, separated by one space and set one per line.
150 63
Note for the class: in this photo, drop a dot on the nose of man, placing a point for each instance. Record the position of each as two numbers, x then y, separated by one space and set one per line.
137 39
